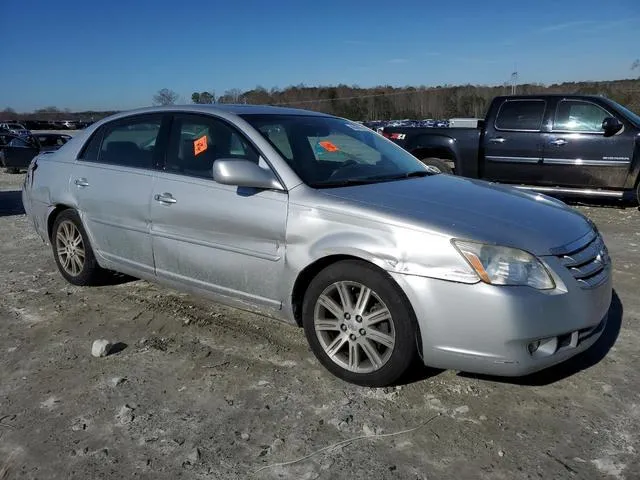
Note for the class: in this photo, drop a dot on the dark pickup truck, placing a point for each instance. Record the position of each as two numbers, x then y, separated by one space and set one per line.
571 145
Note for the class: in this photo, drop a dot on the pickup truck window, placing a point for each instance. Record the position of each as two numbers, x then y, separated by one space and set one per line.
521 115
579 116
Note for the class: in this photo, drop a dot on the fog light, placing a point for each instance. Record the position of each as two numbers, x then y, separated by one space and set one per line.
533 346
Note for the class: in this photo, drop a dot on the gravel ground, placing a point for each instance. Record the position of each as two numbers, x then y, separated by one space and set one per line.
196 390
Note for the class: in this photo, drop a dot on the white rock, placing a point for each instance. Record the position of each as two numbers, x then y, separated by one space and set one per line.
368 430
245 436
462 409
194 456
125 415
263 383
100 348
501 453
115 381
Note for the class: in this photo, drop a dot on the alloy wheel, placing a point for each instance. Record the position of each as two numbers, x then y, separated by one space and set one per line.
70 248
354 326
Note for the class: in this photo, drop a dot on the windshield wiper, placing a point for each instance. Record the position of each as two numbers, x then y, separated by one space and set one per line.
364 181
402 176
345 183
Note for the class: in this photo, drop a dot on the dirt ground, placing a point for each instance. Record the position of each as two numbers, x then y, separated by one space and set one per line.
197 390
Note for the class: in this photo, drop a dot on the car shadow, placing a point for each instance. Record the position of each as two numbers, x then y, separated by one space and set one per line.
418 372
600 202
587 359
112 278
11 203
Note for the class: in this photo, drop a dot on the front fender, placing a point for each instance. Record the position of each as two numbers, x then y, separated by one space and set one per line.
377 249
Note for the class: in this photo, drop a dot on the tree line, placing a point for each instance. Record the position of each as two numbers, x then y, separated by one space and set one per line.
387 102
375 103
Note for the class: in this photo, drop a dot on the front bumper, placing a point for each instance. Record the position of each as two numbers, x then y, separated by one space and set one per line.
487 329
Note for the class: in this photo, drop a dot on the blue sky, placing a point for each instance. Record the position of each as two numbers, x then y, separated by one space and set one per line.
116 54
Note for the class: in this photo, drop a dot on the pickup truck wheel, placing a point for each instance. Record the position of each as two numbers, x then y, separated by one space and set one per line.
437 164
359 324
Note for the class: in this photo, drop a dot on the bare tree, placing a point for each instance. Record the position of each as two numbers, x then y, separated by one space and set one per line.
165 97
636 65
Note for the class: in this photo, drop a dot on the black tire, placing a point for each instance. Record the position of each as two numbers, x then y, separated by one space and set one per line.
90 273
438 164
398 358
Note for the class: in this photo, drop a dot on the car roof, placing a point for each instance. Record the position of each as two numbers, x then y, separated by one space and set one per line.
237 109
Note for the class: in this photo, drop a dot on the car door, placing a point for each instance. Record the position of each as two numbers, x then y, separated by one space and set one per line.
512 145
112 183
577 153
224 239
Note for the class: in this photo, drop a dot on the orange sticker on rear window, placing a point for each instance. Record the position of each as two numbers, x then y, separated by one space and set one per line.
328 146
200 145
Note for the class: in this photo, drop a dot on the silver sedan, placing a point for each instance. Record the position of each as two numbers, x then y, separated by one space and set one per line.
321 222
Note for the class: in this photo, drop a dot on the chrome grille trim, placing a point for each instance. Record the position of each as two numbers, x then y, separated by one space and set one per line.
587 260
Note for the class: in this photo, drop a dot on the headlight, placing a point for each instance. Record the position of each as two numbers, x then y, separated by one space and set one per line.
505 266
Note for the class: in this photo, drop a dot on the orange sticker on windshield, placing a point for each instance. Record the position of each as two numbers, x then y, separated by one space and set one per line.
200 145
328 146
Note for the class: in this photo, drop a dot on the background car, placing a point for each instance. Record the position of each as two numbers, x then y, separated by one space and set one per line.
16 129
17 152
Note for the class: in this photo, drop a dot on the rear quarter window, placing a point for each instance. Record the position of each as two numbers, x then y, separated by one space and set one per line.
521 115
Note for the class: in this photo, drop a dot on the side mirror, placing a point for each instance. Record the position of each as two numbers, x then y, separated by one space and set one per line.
244 173
611 126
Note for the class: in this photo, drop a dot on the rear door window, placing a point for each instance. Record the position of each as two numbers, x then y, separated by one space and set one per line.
521 115
131 143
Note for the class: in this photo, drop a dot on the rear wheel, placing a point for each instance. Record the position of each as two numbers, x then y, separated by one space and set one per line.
72 251
437 164
359 324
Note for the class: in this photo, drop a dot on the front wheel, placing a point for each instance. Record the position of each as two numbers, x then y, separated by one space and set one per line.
437 164
359 324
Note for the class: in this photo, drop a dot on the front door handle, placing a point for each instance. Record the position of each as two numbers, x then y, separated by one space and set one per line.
166 198
497 140
81 182
558 142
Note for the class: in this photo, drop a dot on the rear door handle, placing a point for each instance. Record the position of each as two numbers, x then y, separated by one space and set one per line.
497 140
166 198
558 142
81 182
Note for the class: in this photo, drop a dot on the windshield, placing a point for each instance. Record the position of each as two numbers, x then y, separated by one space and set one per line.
634 117
329 152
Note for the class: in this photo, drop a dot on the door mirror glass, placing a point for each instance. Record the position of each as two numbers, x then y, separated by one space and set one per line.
244 173
611 125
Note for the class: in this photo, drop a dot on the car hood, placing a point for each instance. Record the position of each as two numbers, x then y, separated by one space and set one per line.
472 210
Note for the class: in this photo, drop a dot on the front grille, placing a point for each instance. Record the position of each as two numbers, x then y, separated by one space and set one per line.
587 262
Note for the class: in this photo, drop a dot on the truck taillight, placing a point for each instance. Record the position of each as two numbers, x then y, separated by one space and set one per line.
394 136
